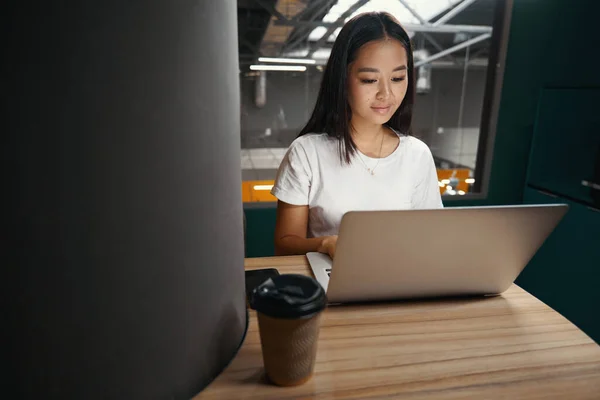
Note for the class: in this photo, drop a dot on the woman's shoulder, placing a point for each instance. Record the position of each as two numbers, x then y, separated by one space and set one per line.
311 138
411 143
415 145
312 142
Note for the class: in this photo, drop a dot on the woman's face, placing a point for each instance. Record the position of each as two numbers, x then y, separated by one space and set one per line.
377 82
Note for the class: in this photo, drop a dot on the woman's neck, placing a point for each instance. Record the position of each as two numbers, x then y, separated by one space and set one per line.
366 133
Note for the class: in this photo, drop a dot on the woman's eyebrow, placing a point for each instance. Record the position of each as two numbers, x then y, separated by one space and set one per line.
370 69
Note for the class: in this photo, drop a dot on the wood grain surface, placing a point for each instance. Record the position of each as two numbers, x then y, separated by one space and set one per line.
511 346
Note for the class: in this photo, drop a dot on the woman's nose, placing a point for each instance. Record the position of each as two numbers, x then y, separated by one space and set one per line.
384 91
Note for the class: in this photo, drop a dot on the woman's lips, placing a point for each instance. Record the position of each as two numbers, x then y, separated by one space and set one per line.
381 109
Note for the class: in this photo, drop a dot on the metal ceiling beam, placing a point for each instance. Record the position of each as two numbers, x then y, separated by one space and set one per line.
320 6
477 54
453 49
446 8
275 36
338 23
304 31
409 27
271 10
413 12
425 27
448 28
423 21
454 12
435 43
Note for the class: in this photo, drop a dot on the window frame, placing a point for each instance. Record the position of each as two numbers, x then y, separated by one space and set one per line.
491 102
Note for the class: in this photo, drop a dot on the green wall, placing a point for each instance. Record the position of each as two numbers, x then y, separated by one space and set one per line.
260 231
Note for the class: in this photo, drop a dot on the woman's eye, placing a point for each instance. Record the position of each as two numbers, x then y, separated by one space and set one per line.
367 81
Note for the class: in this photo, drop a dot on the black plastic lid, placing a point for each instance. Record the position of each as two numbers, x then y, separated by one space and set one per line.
288 296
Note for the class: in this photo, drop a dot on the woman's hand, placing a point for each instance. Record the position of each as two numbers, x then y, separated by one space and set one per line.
290 233
328 245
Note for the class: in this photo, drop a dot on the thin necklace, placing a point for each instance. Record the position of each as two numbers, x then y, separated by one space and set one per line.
372 170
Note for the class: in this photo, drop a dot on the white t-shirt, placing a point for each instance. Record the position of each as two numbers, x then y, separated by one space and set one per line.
312 174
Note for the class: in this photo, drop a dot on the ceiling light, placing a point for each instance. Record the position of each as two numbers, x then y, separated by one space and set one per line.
287 60
278 68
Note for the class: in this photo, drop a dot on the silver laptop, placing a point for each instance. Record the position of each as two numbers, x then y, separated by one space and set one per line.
385 255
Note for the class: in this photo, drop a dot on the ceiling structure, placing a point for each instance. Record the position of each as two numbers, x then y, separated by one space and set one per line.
445 29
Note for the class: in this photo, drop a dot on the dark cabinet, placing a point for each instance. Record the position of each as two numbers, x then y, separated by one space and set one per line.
565 151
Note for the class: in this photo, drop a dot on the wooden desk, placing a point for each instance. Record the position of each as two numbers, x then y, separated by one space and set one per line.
512 346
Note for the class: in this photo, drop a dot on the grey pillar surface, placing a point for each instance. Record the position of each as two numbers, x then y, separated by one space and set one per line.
127 236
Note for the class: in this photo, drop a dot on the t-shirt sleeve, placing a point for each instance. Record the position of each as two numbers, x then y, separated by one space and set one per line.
427 191
292 183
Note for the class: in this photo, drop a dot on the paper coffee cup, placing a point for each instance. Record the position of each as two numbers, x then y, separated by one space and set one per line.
289 314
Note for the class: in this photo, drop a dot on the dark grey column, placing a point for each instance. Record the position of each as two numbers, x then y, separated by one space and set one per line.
127 240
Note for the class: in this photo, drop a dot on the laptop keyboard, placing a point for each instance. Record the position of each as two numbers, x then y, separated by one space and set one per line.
328 270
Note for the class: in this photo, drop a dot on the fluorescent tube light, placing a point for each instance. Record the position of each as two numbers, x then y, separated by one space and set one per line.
287 60
278 68
263 187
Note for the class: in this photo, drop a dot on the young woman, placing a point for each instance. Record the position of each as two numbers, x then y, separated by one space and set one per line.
356 152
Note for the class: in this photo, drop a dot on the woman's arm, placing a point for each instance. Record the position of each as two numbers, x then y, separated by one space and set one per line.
290 233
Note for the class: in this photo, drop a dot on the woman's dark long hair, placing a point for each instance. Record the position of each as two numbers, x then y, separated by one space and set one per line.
332 112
